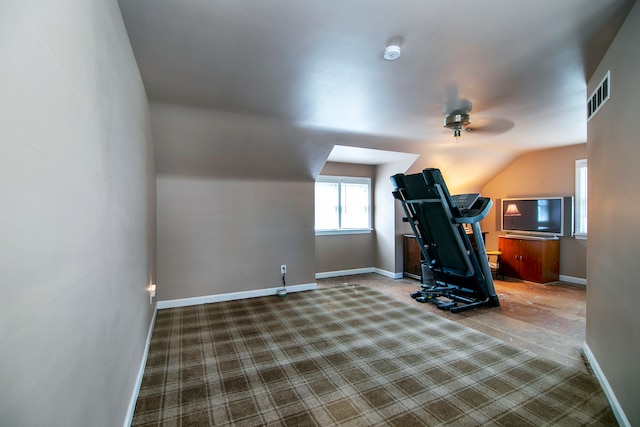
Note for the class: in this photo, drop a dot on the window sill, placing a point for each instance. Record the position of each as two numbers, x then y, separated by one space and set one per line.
336 232
580 236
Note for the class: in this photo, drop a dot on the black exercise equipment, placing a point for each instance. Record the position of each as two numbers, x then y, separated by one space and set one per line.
452 268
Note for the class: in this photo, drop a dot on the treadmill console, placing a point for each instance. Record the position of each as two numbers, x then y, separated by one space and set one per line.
465 201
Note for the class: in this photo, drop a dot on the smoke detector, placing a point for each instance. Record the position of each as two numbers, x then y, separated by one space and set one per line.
392 52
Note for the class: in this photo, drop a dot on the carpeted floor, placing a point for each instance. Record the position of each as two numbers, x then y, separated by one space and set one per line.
349 355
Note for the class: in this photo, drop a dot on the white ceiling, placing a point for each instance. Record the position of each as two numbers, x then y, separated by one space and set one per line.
317 67
366 156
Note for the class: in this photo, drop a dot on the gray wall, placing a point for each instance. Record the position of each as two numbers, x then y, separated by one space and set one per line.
195 141
613 317
229 219
345 252
77 194
548 172
388 219
219 236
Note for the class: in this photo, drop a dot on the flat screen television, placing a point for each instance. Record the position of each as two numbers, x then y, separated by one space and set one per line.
536 216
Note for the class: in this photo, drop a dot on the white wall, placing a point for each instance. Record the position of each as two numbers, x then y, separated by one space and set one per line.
77 224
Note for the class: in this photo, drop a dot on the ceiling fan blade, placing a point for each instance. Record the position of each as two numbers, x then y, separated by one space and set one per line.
455 103
490 125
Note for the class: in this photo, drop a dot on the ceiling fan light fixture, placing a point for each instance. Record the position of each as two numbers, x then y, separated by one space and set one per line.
457 122
391 52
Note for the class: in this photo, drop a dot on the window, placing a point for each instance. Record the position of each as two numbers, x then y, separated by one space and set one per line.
342 204
580 200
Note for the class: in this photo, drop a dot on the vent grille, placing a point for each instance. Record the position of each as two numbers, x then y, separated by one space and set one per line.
599 96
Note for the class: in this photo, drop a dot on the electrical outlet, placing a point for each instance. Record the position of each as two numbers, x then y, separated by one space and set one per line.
283 269
152 292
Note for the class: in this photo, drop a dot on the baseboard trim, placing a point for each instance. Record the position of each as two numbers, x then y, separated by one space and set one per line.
143 364
185 302
350 272
608 391
571 279
354 271
389 274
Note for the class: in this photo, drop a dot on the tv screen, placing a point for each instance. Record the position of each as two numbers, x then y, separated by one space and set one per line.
540 215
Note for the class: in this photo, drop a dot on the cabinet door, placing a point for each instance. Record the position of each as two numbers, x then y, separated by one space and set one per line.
531 260
412 256
510 249
550 261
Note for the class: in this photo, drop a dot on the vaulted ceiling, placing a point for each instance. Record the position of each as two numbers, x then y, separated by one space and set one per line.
289 79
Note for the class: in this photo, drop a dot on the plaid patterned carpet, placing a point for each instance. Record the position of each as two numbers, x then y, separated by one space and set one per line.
349 356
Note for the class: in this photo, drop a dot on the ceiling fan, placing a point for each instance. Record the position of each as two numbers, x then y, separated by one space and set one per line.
457 118
459 122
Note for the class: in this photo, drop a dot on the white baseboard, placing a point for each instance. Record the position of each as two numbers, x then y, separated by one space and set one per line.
349 272
184 302
354 271
608 391
571 279
389 274
143 364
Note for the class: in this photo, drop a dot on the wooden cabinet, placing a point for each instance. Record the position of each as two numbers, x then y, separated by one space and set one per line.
534 260
412 255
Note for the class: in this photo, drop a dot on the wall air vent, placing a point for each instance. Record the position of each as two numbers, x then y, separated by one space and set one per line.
599 96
